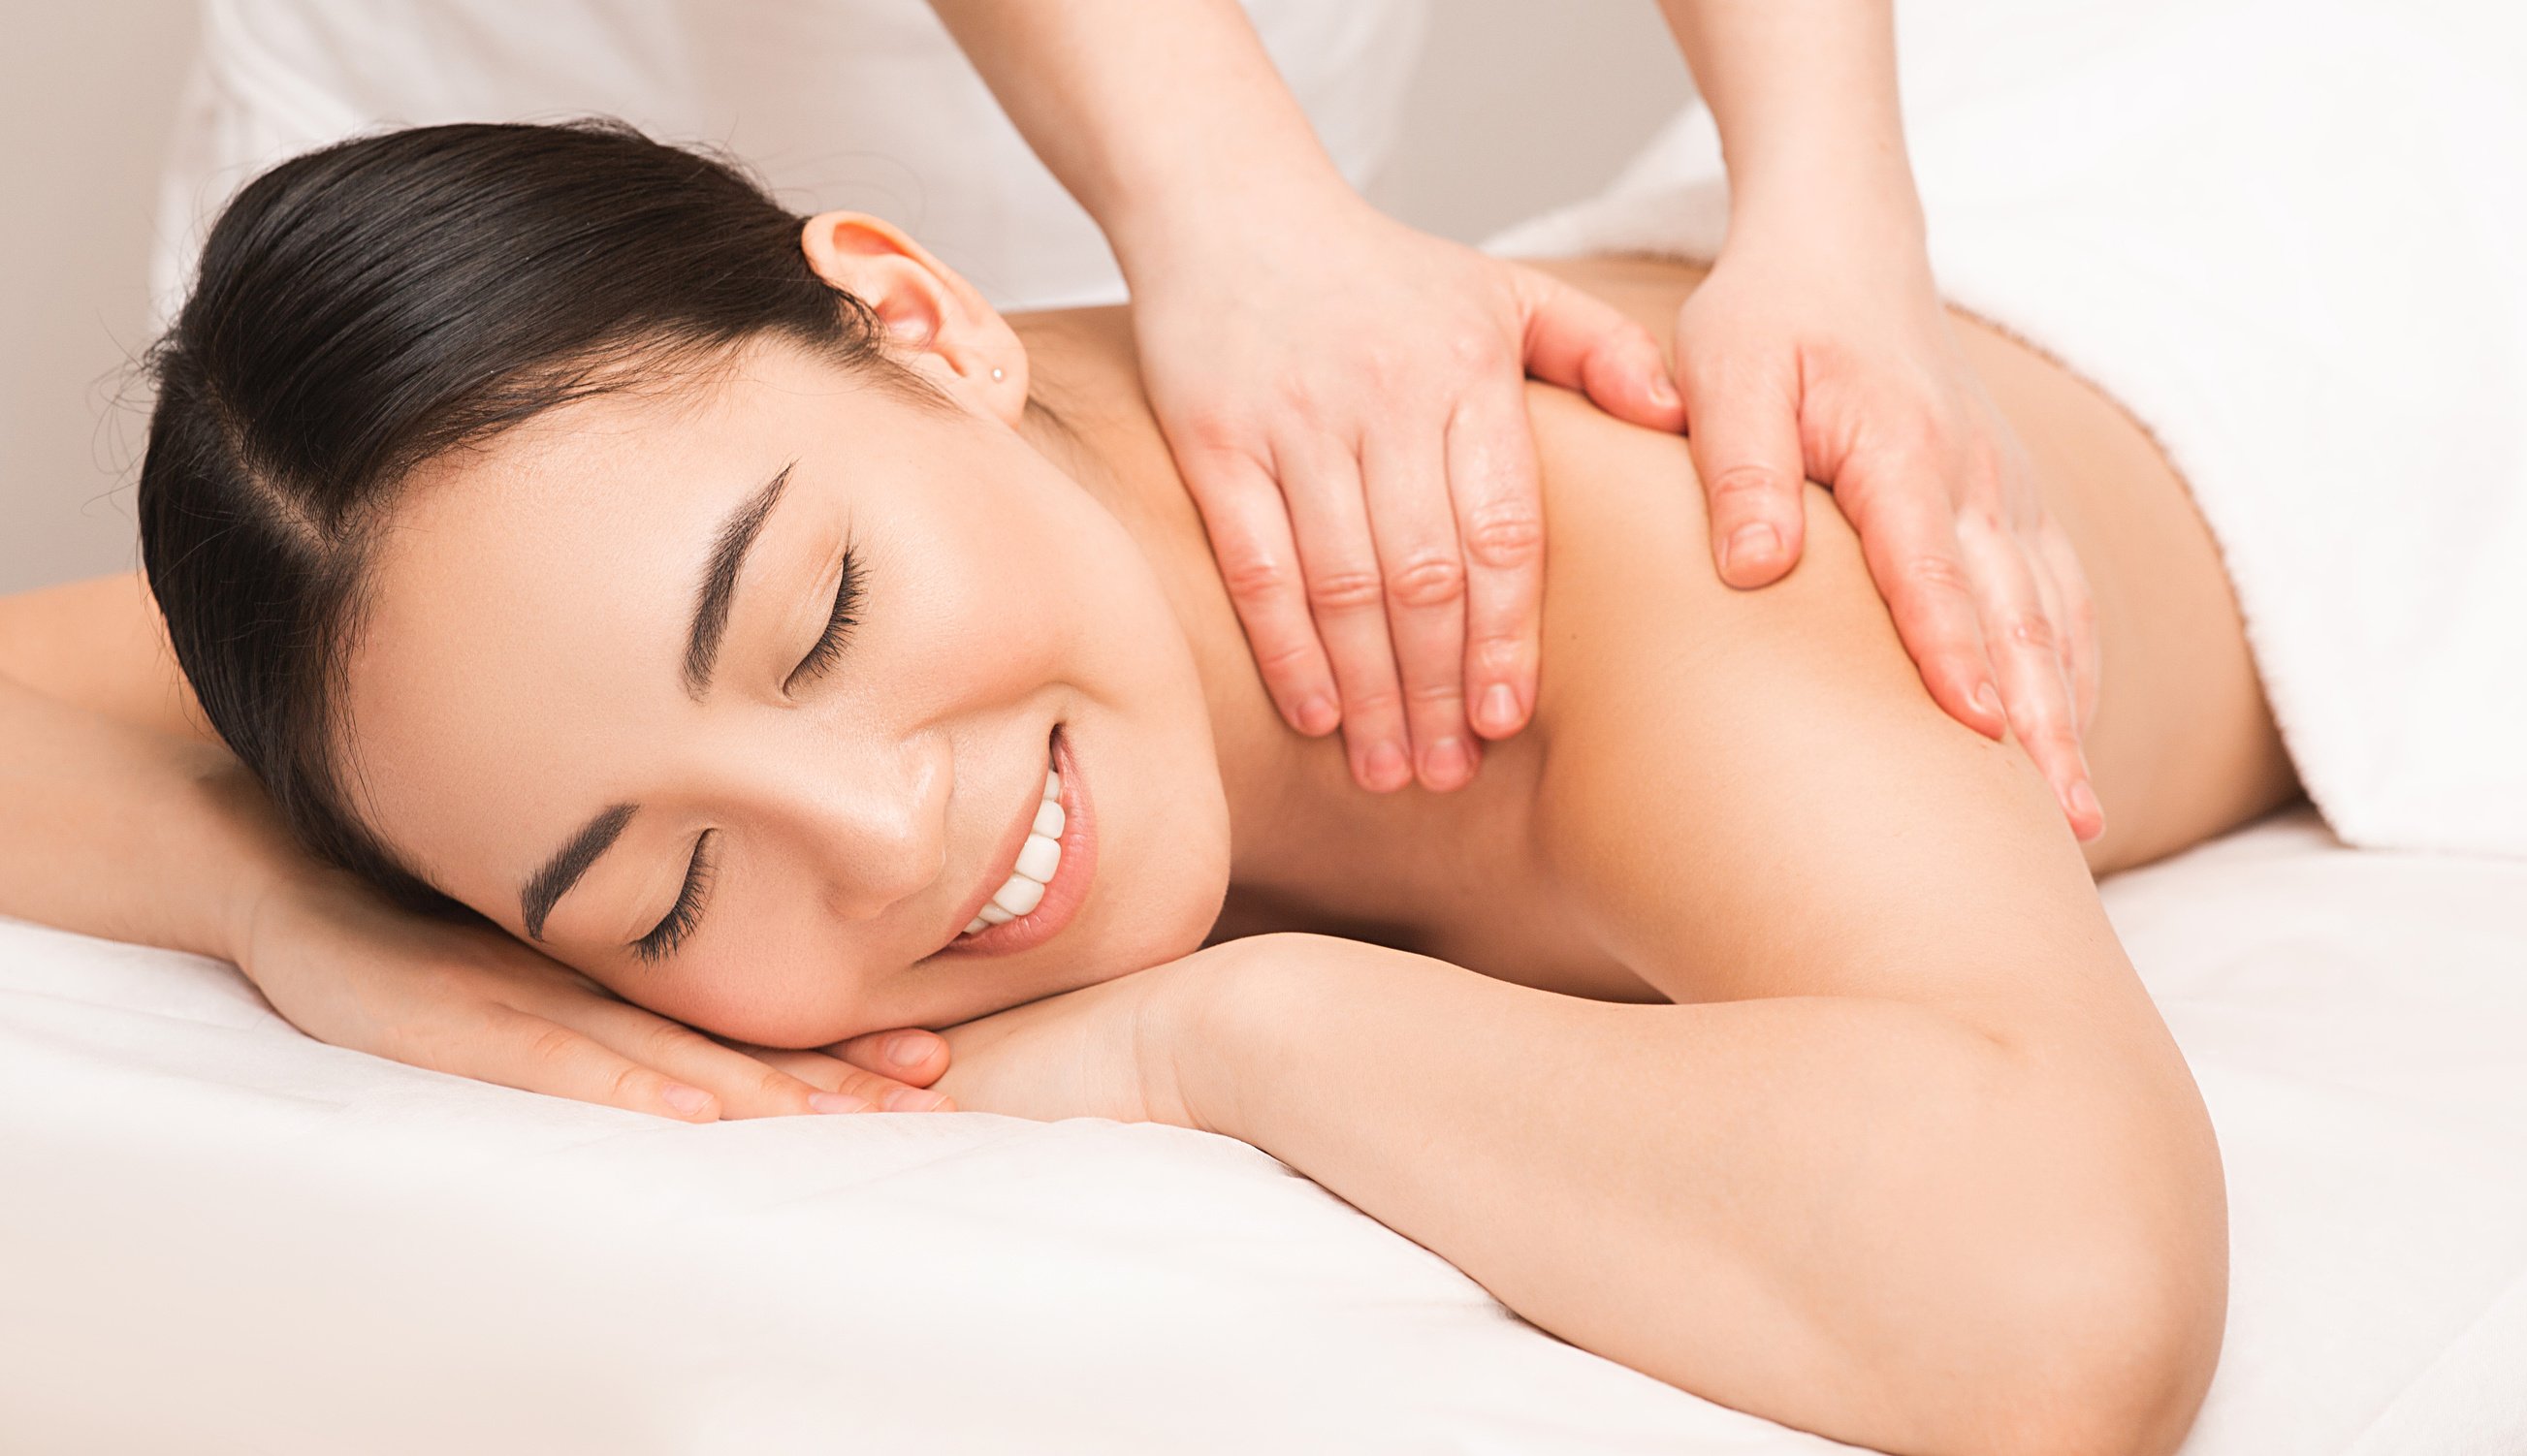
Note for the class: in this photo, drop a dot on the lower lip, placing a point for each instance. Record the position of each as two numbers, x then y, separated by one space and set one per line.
1069 887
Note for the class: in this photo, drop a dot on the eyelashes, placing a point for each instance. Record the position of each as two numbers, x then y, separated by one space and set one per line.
670 933
838 627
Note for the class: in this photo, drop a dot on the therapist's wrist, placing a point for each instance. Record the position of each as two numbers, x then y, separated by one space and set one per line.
1193 229
1858 196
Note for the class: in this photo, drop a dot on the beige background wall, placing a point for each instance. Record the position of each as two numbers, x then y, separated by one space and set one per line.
1521 104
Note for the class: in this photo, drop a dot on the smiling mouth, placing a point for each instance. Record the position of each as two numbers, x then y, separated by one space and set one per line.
1048 877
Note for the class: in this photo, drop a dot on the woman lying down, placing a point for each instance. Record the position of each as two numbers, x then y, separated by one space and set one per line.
735 608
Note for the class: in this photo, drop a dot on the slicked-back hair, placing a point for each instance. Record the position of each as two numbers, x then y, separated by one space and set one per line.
363 309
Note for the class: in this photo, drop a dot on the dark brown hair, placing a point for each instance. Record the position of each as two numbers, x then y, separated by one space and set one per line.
360 310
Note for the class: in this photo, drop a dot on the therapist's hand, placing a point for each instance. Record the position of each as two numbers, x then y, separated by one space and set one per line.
1804 357
348 968
1344 396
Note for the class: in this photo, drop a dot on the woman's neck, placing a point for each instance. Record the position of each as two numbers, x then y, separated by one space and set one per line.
1309 848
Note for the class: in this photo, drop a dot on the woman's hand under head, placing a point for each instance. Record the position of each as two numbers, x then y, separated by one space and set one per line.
744 691
349 969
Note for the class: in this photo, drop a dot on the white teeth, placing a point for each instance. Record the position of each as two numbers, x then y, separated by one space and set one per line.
1019 895
1037 861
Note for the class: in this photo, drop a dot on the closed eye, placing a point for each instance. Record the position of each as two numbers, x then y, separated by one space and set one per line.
838 627
670 932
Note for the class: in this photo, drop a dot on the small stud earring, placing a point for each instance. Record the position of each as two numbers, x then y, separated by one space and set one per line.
996 371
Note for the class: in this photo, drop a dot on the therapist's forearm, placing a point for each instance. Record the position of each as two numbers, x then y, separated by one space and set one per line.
1804 93
1157 117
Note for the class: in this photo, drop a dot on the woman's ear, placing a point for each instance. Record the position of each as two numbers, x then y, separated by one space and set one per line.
935 322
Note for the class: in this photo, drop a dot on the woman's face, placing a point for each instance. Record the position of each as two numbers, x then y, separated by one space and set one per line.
603 695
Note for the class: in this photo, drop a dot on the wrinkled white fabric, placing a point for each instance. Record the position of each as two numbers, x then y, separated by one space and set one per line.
2291 237
862 104
218 1236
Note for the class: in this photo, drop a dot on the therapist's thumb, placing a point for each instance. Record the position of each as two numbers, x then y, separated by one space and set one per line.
1584 343
1743 426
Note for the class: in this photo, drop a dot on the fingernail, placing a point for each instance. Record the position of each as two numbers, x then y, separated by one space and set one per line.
1663 392
906 1050
1986 699
913 1099
836 1102
1498 713
2084 803
1446 762
690 1101
1318 716
1386 769
1752 544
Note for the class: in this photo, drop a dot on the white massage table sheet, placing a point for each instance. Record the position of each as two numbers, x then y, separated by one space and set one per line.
221 1236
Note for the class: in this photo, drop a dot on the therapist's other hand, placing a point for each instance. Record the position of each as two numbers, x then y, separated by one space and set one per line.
348 968
1800 361
1343 397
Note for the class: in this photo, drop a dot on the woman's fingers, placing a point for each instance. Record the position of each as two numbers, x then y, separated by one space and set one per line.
1742 422
2030 666
851 1087
1499 522
1347 596
1405 473
1248 525
743 1083
520 1049
911 1055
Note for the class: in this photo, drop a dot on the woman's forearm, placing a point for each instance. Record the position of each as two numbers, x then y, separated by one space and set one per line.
116 830
100 645
1863 1217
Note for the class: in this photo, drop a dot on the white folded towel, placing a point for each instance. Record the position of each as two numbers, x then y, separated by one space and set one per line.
2291 237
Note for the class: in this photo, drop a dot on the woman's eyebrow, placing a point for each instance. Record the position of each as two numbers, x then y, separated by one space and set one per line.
719 581
568 863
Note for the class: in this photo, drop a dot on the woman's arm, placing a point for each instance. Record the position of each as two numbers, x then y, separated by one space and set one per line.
118 818
100 645
1912 1164
1861 1217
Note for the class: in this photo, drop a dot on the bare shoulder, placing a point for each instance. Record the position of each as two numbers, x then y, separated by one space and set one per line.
2182 746
1749 793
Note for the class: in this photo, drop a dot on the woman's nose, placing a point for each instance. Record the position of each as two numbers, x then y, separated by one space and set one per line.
878 833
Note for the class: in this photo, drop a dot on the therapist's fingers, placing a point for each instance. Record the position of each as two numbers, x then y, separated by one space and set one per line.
1404 475
1910 540
1249 524
1347 596
1742 422
1500 520
2079 614
2033 685
1582 342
